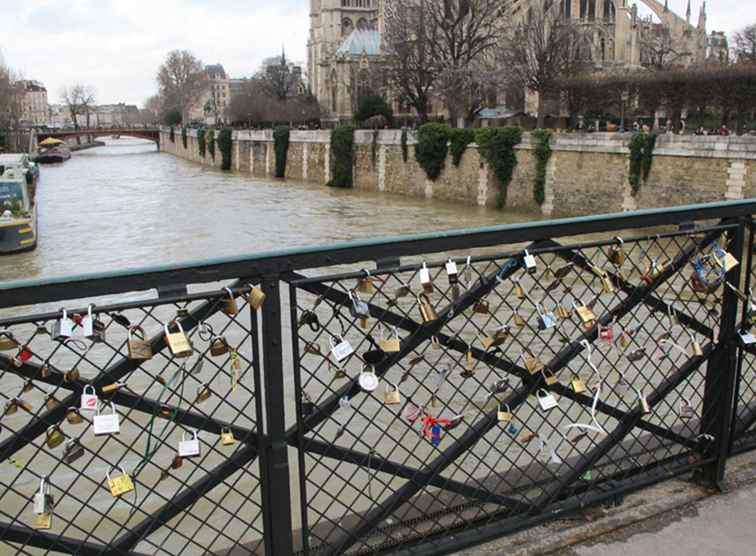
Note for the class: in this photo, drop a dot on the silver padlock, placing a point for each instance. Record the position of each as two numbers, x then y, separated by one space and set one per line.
189 448
358 308
529 262
452 272
89 398
546 319
107 423
747 338
93 328
546 400
62 328
340 349
43 499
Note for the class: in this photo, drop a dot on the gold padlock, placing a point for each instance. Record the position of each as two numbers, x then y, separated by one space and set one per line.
533 364
617 253
23 404
578 386
73 416
218 346
256 298
55 437
120 484
498 337
11 407
139 348
391 345
426 309
469 362
365 285
7 341
72 376
51 402
586 315
392 396
43 521
562 312
607 284
520 291
229 306
178 342
518 320
549 377
227 437
504 413
203 393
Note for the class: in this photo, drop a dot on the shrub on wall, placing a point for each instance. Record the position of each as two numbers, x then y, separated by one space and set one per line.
497 148
172 135
225 142
201 143
458 141
373 105
342 156
405 150
184 138
432 148
210 136
641 158
281 146
542 154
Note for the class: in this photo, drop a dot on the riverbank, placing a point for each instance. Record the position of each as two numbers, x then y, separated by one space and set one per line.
586 173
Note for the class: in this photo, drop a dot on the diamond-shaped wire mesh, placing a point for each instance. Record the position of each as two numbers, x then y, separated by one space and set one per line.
453 401
204 502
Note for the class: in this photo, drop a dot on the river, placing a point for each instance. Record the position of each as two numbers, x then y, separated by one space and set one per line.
125 205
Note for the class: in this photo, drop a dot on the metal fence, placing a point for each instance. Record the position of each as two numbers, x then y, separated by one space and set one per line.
413 395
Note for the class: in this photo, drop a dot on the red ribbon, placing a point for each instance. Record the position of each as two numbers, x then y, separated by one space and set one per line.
429 421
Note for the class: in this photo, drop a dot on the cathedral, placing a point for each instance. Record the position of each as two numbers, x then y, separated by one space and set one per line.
345 52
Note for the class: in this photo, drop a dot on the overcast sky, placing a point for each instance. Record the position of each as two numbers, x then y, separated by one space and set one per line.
117 45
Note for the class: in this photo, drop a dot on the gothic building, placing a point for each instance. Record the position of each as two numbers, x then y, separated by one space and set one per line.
345 55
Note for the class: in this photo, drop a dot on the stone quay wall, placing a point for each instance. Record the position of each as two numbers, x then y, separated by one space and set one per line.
587 173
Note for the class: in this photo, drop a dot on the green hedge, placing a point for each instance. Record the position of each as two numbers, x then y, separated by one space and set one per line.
184 138
211 142
458 141
225 142
201 142
405 149
542 154
641 158
342 157
497 148
431 148
373 105
281 146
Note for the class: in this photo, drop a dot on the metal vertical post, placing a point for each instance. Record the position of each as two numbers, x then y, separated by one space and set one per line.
274 466
721 372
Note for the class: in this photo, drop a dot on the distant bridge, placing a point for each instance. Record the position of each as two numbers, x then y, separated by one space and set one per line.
149 133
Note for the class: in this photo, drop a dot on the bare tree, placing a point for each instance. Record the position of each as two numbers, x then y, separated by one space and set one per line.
255 105
540 50
658 50
80 100
745 44
409 39
182 79
280 80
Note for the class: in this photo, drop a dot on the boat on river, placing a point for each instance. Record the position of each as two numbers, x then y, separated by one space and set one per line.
18 208
52 151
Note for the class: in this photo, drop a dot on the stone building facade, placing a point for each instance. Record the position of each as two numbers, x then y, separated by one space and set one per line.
34 109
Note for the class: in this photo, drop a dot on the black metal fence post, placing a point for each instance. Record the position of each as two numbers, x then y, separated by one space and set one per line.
721 372
274 465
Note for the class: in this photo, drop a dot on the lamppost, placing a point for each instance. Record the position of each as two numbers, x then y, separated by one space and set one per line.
624 96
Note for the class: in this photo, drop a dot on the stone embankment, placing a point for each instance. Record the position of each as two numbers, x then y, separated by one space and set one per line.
586 174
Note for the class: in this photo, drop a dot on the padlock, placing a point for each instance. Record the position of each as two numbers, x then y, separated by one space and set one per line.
497 338
27 387
139 348
687 411
178 342
645 407
23 404
392 396
89 399
427 311
504 413
218 346
42 522
203 393
312 348
7 341
256 298
520 291
120 484
340 349
368 380
106 423
73 416
698 285
529 262
606 333
578 386
62 328
189 448
436 434
452 272
358 308
587 317
54 437
227 437
71 376
51 402
114 387
43 499
482 307
729 262
747 338
549 377
637 355
93 329
696 347
532 363
469 361
425 279
546 400
229 306
562 312
177 462
546 319
617 253
11 407
607 284
72 451
519 321
392 344
365 285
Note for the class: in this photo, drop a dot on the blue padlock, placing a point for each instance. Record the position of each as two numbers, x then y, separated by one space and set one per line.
436 434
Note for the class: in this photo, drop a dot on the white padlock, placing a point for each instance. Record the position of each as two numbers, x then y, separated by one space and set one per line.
425 279
107 423
747 338
530 262
63 328
189 448
341 349
89 398
452 271
368 380
546 400
92 328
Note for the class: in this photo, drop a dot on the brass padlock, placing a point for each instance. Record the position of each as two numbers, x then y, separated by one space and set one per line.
578 386
227 437
392 396
120 484
562 312
518 320
23 404
139 348
178 342
72 376
697 350
55 437
203 393
43 521
365 285
504 413
51 402
617 253
392 344
497 338
469 361
256 298
520 291
482 307
607 284
11 407
73 416
229 306
549 377
585 314
427 311
7 341
532 363
218 346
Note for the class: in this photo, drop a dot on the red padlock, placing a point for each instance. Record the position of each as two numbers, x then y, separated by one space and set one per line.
24 354
606 333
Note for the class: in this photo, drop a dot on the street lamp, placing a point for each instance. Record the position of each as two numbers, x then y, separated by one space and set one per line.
624 96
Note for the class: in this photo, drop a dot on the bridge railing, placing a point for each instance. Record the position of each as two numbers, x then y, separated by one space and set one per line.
413 394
